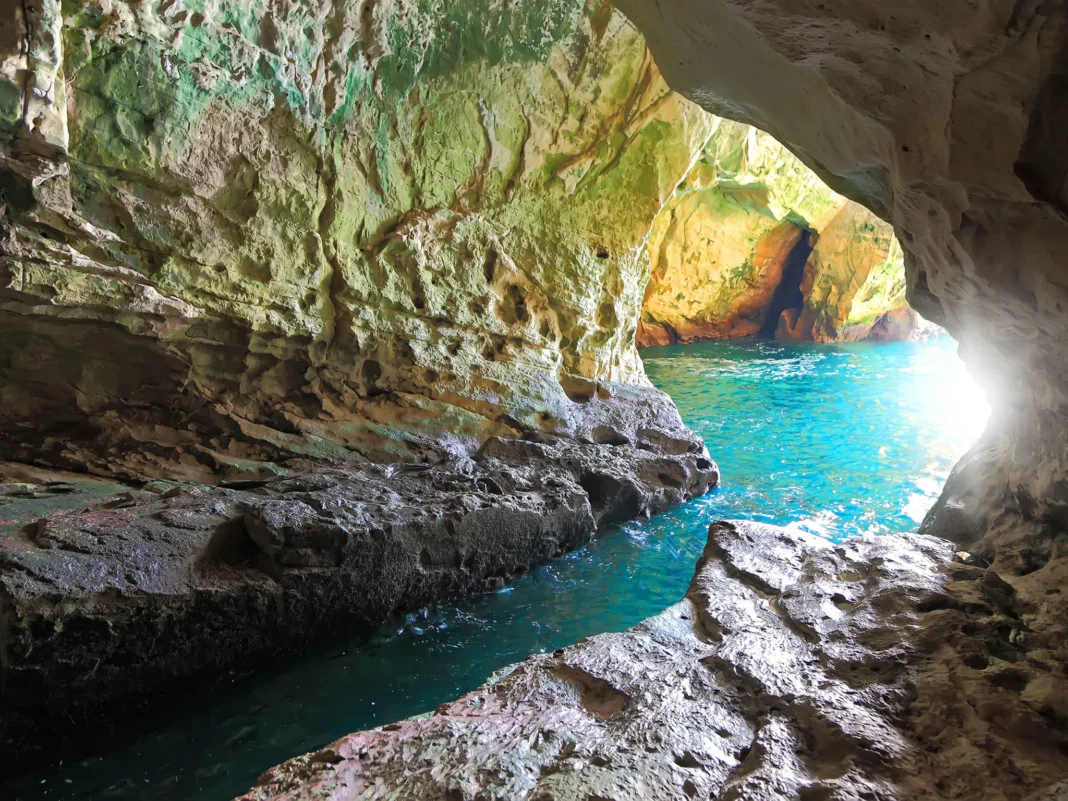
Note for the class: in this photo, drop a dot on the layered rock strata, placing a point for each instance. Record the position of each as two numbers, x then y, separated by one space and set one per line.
793 669
137 594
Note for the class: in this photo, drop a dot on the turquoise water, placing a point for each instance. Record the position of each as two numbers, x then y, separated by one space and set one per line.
837 439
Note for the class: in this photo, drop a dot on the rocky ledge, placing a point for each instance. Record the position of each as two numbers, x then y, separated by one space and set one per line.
139 592
794 668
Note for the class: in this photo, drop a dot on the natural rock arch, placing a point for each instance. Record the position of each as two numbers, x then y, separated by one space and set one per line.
322 330
946 122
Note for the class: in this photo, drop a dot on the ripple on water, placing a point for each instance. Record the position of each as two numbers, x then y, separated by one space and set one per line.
840 440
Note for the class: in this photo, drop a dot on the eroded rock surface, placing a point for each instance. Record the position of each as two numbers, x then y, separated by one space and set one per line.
251 237
235 232
793 669
241 231
850 247
140 592
258 241
947 121
752 235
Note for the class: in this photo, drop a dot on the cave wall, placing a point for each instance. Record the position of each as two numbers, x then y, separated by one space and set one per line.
239 231
718 250
358 279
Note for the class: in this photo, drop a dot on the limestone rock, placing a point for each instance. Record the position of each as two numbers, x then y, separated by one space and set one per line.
793 669
718 249
752 234
947 122
265 246
343 228
852 279
717 264
115 599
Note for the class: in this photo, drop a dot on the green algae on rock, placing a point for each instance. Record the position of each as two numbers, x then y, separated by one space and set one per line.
339 229
251 245
360 229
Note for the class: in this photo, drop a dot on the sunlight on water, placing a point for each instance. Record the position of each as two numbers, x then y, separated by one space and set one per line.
839 440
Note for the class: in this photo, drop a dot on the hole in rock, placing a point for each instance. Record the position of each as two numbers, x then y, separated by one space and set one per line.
598 697
513 307
577 389
489 266
788 294
606 435
371 372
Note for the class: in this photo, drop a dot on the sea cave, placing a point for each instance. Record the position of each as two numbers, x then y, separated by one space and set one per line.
559 400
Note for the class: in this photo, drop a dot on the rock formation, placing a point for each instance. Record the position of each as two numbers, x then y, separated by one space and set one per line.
851 283
948 123
242 234
751 236
362 284
875 669
356 281
142 591
793 669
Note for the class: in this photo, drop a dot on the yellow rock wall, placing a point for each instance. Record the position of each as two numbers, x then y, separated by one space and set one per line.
718 251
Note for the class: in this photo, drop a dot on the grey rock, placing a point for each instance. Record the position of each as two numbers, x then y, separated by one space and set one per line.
141 594
793 669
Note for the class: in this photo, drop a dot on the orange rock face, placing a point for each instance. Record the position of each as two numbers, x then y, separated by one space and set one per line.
846 249
752 242
715 264
720 269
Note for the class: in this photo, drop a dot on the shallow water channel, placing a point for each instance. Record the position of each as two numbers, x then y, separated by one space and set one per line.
840 440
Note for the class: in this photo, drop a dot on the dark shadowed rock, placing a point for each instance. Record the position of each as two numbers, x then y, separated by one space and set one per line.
138 593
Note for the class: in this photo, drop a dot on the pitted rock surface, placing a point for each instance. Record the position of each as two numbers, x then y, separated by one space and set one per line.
257 230
139 593
794 669
729 254
254 230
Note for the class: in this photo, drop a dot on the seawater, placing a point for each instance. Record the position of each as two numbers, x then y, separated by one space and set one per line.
839 440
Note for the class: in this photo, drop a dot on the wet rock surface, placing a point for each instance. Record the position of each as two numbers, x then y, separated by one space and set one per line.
886 668
116 600
947 123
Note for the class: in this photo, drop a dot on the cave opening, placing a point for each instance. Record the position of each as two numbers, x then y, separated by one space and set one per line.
427 389
788 294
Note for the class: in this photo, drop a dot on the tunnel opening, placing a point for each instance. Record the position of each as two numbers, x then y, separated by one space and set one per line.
788 294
